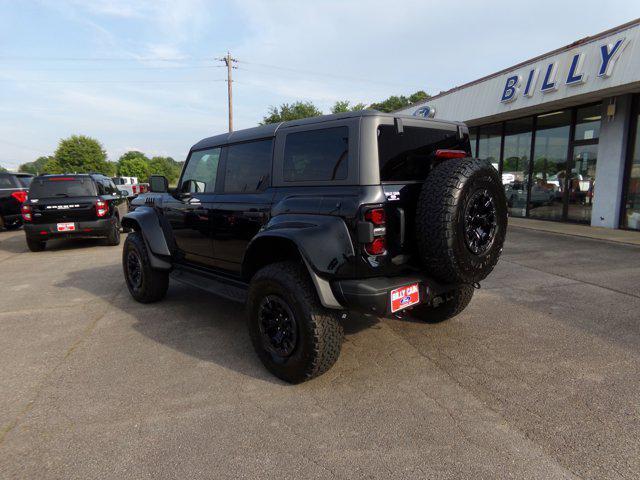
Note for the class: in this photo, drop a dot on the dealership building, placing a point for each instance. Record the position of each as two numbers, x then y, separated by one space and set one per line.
561 128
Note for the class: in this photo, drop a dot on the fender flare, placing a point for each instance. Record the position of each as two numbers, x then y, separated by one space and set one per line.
323 242
146 221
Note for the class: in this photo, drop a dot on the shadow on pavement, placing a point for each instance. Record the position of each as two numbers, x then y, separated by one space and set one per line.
191 321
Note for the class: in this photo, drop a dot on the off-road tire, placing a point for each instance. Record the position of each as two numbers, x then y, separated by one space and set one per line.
113 238
36 245
154 283
454 303
319 332
440 222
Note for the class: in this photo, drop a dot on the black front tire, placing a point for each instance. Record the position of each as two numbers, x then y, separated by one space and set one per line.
318 333
145 284
36 245
453 303
113 238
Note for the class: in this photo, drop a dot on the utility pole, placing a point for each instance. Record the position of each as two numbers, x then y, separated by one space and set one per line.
229 62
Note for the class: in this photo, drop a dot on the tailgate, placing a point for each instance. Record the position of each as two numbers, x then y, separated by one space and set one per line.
54 210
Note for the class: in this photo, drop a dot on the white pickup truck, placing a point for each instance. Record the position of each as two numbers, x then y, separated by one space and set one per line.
131 186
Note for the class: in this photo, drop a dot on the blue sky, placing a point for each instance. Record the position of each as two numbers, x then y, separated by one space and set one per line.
143 75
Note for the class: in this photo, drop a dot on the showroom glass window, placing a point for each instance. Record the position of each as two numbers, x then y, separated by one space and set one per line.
473 136
550 165
515 164
631 217
490 137
584 158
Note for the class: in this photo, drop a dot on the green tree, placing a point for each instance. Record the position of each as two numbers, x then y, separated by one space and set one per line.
292 111
345 106
419 96
52 165
165 166
81 154
36 167
398 102
2 169
134 164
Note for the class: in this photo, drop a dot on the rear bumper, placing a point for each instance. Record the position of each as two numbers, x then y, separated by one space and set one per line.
90 228
373 295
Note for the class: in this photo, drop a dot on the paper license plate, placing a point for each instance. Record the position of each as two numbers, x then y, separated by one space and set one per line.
404 297
66 227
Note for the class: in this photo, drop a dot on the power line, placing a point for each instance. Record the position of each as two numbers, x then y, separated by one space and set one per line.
110 81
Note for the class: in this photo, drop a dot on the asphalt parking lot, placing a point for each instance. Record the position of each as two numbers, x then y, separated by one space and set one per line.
538 378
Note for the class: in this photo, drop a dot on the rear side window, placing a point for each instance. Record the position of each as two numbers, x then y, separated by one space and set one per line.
62 187
408 156
201 171
25 181
317 155
248 166
8 181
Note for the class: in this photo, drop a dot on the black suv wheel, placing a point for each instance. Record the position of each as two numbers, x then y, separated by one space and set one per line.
36 245
452 304
145 284
295 337
113 238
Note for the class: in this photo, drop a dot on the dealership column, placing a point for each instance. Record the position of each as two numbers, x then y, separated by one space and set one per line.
612 151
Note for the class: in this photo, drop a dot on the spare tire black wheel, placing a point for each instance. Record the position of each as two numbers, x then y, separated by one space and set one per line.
461 220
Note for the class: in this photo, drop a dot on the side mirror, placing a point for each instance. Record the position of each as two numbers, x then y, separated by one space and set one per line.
158 184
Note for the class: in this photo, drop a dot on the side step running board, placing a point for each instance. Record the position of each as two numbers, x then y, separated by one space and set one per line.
226 288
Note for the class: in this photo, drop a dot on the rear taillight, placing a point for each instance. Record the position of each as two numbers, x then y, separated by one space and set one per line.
134 189
378 246
26 213
101 208
20 196
143 189
451 154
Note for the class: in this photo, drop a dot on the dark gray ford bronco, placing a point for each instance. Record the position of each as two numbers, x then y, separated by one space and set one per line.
306 220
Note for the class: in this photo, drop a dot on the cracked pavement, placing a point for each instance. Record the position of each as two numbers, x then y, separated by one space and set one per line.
536 379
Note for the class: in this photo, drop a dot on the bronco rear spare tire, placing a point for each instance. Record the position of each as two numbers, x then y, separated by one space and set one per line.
461 220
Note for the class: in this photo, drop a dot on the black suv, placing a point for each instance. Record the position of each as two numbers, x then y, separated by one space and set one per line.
66 206
305 220
13 192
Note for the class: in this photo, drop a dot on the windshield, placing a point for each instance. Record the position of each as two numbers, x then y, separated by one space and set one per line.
407 156
62 187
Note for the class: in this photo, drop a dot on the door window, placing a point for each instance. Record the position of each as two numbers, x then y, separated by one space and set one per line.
317 155
201 172
248 166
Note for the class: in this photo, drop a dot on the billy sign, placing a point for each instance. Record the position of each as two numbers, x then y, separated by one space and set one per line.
551 76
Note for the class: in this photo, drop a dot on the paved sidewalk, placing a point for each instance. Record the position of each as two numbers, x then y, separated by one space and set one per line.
599 233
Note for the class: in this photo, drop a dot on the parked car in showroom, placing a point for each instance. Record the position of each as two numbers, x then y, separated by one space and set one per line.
13 192
71 206
306 220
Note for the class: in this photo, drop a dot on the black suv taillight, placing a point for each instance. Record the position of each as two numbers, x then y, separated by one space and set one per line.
378 219
27 215
102 208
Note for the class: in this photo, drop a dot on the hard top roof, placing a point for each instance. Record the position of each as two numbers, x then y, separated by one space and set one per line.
269 130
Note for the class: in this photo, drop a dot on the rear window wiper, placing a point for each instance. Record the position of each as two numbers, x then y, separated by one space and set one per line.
62 194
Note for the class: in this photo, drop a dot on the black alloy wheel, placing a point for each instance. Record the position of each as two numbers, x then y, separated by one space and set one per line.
134 269
277 325
480 222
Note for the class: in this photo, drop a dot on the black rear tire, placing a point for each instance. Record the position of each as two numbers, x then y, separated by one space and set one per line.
307 341
36 245
461 220
145 284
113 238
453 304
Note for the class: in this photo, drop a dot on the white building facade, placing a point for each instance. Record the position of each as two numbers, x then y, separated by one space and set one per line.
562 129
